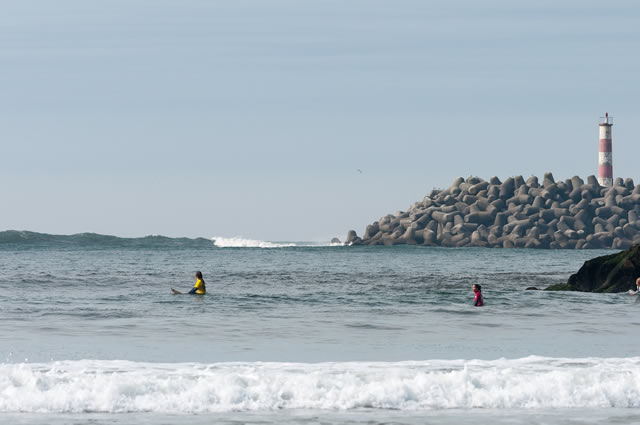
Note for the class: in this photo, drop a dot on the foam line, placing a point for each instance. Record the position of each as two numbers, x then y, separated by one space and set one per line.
123 386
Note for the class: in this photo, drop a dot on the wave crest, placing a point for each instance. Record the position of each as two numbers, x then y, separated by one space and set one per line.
121 386
238 242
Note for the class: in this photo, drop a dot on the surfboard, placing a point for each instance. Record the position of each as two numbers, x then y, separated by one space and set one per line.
175 292
632 292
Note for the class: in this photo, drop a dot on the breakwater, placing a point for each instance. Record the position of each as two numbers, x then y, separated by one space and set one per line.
570 214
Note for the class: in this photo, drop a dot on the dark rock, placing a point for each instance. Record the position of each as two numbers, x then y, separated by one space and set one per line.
547 215
610 273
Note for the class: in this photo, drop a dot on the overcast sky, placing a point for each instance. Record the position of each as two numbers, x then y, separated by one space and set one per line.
251 118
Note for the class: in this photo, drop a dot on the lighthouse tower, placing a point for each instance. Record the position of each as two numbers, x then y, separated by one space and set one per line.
605 158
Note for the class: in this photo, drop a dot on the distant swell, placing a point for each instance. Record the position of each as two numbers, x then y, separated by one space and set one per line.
25 238
122 386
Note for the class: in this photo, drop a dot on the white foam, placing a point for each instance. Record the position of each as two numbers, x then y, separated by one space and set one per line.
238 242
122 386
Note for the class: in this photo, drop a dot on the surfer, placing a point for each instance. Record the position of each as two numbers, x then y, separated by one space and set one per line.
199 288
477 299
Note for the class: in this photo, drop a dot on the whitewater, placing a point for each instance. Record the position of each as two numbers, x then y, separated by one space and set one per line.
123 387
295 332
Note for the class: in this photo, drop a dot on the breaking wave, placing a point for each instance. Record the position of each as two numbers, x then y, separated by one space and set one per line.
123 386
238 242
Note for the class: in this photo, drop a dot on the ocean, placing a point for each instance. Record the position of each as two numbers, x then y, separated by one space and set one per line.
306 333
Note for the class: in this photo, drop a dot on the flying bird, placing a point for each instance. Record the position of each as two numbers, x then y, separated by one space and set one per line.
359 170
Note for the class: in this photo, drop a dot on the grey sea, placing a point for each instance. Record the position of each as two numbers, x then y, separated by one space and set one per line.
301 333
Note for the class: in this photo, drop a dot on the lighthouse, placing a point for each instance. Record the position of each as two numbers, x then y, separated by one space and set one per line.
605 158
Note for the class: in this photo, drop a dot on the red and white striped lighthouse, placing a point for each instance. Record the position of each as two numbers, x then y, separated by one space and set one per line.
605 158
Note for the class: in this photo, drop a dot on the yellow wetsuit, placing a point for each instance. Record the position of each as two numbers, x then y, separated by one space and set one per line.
199 288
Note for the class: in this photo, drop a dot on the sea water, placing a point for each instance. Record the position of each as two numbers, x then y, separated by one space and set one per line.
304 333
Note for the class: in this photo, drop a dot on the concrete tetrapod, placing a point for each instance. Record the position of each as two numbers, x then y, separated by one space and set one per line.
569 214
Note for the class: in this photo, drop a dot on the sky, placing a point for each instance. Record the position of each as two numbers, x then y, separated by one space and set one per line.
251 118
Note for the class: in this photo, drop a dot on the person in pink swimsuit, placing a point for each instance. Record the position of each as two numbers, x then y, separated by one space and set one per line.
477 299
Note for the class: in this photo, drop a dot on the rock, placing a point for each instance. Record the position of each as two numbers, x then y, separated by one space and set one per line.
457 182
548 180
351 237
532 243
409 237
336 241
371 230
546 215
576 182
442 217
516 213
469 199
507 188
532 182
593 181
448 209
482 217
609 273
428 237
478 187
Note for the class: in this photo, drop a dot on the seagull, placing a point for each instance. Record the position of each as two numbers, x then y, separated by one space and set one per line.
359 170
